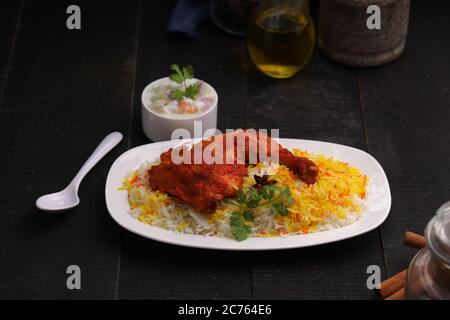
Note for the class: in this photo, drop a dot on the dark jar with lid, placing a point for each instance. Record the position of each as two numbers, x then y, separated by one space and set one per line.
233 16
428 276
345 37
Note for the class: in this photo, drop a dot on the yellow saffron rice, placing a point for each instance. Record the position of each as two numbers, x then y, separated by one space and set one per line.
335 200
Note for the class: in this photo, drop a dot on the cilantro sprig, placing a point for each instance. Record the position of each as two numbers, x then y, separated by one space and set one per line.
278 197
239 229
180 76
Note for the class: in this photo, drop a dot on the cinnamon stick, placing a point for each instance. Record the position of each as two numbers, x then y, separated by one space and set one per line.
392 284
414 240
398 295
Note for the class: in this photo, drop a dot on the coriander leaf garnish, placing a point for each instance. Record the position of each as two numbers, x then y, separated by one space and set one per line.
280 208
180 76
248 216
188 72
275 196
240 197
267 192
253 198
239 229
192 91
177 94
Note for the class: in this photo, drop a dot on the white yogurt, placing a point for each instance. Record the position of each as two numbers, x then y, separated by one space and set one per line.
162 115
158 99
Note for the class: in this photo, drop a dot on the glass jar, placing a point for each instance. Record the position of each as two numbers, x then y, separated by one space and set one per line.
345 37
281 37
233 16
429 272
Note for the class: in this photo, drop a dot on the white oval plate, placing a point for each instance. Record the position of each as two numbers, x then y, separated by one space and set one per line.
378 201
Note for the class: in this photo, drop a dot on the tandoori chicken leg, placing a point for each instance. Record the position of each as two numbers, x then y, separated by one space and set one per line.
204 183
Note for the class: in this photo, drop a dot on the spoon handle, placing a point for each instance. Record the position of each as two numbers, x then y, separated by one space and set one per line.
110 141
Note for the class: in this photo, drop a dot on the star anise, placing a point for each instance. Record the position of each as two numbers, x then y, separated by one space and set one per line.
262 181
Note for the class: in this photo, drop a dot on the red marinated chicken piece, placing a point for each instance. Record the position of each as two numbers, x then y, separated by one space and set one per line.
200 185
204 185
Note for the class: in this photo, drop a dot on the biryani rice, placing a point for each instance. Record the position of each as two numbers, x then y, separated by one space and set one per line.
335 200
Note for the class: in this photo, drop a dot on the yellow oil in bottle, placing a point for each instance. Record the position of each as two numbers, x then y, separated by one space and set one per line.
280 43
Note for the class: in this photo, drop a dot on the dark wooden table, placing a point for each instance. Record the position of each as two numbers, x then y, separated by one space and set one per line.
62 91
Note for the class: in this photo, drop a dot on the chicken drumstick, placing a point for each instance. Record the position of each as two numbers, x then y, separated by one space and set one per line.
203 184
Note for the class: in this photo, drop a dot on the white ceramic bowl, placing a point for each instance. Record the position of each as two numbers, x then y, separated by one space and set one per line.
159 127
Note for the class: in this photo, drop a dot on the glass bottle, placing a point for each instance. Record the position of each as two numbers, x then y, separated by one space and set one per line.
233 16
281 37
429 272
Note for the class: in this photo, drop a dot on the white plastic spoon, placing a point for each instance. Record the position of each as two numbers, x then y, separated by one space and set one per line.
68 198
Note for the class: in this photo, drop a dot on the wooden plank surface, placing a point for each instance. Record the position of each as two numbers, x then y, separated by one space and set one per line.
406 112
10 19
154 270
63 91
66 90
320 103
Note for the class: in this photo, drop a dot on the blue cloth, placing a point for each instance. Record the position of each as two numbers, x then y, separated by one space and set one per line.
187 15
